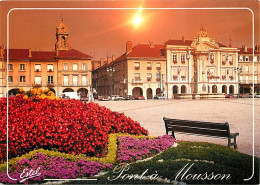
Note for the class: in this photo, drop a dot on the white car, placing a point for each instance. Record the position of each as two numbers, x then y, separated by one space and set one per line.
71 95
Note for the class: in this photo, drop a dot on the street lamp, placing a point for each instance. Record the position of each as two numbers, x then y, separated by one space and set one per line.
110 71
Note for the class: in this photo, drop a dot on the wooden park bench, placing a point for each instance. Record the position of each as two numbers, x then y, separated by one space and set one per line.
208 129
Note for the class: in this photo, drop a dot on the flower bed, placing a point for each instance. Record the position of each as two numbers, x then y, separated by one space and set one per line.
54 168
70 126
130 149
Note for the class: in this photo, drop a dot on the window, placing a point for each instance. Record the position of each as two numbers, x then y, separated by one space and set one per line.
10 79
149 76
149 65
65 66
241 78
247 79
182 58
158 77
75 67
137 65
50 67
247 59
255 79
50 80
84 80
37 67
158 66
241 69
84 67
137 76
240 58
10 67
65 80
174 58
38 80
255 69
22 78
22 67
247 69
75 80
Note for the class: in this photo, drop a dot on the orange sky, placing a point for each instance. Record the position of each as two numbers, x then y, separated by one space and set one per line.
102 32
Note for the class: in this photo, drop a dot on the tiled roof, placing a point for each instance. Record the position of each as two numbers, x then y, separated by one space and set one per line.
72 53
185 43
42 55
146 51
249 51
179 42
17 54
22 54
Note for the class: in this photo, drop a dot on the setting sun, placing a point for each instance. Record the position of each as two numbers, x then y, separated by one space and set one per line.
137 20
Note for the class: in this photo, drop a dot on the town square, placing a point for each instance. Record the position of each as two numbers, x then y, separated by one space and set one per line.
129 92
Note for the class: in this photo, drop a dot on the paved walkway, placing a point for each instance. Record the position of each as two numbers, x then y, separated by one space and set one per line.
238 112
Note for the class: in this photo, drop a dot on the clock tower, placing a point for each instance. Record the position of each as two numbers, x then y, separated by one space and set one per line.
62 37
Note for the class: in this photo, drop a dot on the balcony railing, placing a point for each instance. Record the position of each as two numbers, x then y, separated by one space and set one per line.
249 81
149 68
149 78
158 68
137 80
50 70
37 70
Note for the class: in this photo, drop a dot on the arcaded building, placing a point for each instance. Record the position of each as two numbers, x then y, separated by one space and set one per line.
62 70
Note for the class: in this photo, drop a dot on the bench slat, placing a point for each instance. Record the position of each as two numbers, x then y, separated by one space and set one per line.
208 132
196 124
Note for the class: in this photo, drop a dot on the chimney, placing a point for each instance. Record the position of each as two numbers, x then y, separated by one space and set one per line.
183 39
256 48
101 61
245 48
128 46
152 44
114 57
109 60
30 53
2 51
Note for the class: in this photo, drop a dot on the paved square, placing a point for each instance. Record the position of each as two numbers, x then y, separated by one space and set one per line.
237 112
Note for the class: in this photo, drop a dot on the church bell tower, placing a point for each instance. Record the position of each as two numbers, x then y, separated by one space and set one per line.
62 37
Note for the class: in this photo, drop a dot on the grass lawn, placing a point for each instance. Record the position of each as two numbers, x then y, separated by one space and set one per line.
184 163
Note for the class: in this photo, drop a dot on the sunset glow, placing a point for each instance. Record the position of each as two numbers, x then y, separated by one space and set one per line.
137 20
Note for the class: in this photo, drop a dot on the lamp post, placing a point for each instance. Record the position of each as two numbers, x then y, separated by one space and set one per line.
110 71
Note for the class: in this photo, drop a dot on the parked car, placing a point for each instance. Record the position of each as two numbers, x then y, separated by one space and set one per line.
246 95
158 97
118 98
128 97
257 96
138 97
71 95
84 98
250 96
103 98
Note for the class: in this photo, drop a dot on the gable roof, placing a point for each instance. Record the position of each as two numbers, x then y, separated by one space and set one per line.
22 54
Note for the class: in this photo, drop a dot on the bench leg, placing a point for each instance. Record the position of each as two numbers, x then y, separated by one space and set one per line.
235 143
229 142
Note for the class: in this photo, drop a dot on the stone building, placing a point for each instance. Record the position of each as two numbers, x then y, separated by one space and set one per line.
62 70
249 69
201 68
139 71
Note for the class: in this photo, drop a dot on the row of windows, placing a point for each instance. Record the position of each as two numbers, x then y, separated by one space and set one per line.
38 79
137 65
149 76
245 69
245 58
50 67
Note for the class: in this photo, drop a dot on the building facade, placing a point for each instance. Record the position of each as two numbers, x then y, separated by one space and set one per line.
62 70
140 71
249 70
197 68
201 67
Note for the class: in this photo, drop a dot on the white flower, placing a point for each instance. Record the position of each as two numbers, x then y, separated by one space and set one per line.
160 160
